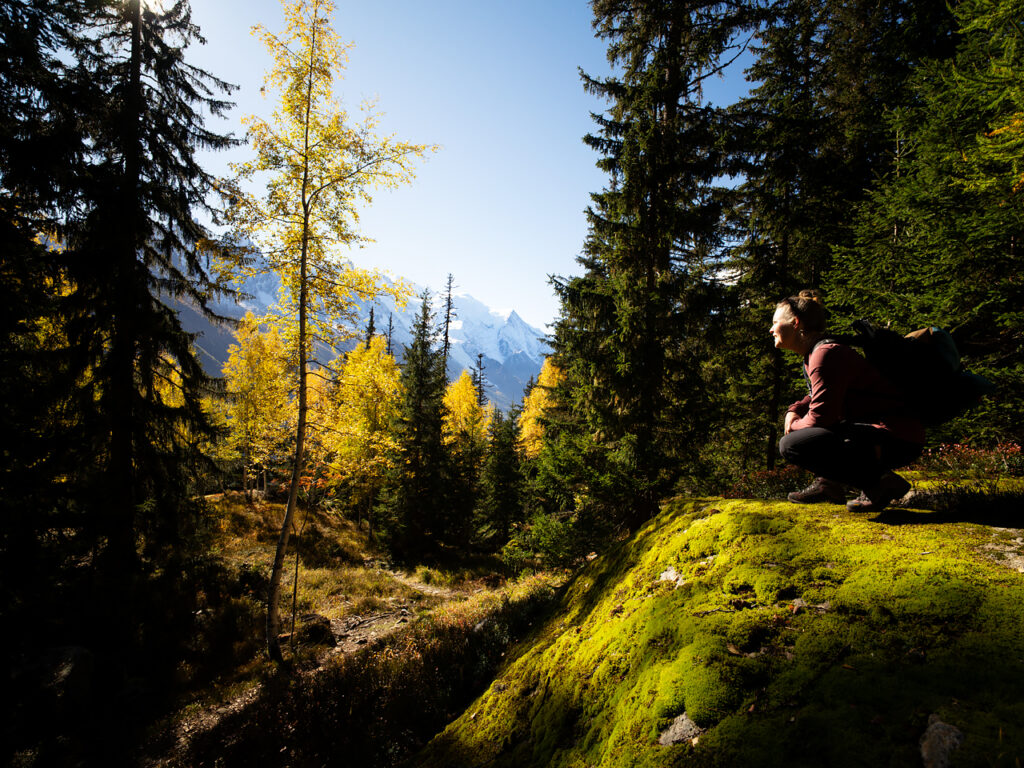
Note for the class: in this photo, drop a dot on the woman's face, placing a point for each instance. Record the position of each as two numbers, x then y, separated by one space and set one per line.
785 329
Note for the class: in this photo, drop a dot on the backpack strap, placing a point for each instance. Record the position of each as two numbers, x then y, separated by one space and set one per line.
823 340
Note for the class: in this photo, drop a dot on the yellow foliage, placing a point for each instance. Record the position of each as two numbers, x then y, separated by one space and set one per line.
259 409
365 403
463 417
531 426
318 168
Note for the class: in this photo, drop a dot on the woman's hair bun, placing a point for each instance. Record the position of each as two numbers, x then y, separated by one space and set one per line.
813 294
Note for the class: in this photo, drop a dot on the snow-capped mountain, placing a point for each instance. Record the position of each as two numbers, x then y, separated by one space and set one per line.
512 350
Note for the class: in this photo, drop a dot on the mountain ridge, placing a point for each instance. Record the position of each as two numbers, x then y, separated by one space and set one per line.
512 350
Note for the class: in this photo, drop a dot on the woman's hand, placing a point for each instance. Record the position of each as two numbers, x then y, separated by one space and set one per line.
788 425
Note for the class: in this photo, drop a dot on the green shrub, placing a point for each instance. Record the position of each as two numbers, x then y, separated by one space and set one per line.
544 541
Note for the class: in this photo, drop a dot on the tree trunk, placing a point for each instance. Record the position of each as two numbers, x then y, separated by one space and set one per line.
773 410
120 527
245 473
273 599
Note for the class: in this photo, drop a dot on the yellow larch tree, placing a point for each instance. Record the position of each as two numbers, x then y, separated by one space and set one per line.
531 420
464 418
258 409
366 400
318 167
464 433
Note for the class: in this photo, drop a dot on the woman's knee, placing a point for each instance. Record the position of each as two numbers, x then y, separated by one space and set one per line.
787 446
802 445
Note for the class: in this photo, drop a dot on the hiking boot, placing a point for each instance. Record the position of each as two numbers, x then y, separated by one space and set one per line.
889 487
821 490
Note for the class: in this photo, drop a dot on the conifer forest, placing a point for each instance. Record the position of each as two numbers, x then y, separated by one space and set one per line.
877 155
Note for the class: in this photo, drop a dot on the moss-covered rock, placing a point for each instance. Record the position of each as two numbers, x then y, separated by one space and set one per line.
793 635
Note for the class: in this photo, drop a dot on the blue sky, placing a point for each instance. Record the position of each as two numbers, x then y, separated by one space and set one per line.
501 205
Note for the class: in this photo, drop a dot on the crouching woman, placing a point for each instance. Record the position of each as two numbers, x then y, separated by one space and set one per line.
853 427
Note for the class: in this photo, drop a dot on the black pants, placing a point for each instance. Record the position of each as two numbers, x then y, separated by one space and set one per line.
853 454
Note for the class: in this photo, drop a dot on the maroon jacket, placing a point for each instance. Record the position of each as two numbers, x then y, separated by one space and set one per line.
845 387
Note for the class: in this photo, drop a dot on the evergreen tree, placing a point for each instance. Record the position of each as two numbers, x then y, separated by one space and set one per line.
101 196
779 220
412 506
449 316
480 381
42 152
42 144
371 329
938 240
500 503
807 142
135 247
100 130
634 327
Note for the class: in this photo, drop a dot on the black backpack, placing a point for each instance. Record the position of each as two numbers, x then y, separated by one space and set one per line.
925 366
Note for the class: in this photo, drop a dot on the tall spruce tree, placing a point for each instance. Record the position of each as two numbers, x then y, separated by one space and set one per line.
449 317
132 249
808 140
778 222
500 501
42 163
102 123
102 118
634 327
412 507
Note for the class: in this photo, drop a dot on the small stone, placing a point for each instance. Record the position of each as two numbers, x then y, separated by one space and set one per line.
682 729
669 574
939 741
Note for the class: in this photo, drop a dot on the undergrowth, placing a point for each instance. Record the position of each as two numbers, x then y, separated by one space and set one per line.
378 706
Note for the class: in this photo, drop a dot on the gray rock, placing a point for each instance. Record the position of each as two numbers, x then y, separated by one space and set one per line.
315 629
669 574
683 729
939 741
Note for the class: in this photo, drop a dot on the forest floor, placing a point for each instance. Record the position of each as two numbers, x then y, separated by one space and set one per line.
736 622
344 583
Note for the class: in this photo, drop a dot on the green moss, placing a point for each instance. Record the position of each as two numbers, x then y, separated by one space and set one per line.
897 622
708 684
770 586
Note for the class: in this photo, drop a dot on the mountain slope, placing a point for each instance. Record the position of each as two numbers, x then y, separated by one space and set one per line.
513 351
770 634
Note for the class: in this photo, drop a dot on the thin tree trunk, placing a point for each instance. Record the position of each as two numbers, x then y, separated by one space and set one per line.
774 404
245 473
273 607
273 599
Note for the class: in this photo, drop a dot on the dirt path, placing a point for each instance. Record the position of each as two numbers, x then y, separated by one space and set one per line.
352 634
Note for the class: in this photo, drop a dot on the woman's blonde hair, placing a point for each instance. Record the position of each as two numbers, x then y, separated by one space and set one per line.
809 307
